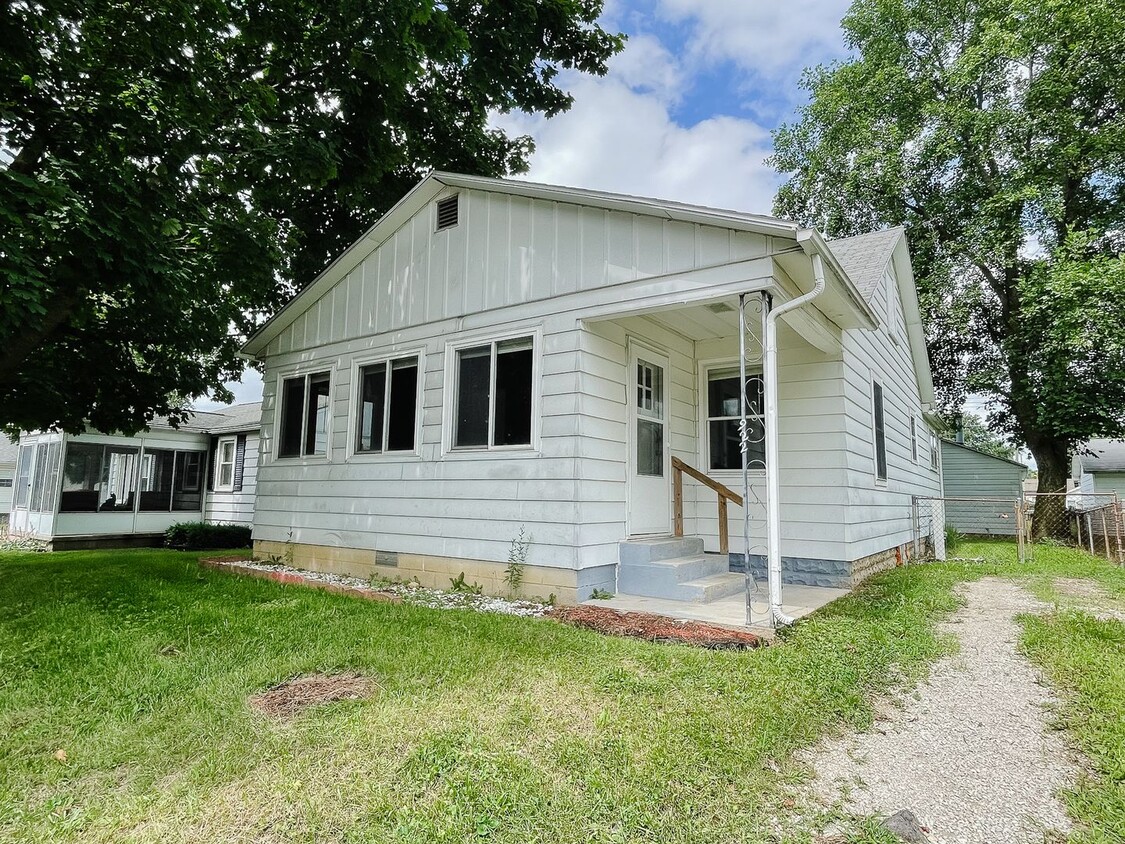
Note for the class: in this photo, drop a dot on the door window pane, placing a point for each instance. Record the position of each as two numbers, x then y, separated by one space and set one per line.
471 421
23 476
650 389
650 448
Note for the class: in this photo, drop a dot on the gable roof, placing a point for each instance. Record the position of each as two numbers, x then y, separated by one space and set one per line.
1108 456
431 186
865 257
968 447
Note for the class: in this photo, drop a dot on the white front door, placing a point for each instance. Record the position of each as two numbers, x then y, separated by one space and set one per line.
650 459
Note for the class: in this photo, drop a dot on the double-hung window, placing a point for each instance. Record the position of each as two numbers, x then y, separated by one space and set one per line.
493 394
304 415
880 431
224 463
724 407
387 416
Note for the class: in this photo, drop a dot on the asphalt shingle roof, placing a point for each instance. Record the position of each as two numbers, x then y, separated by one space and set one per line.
1108 456
865 257
237 417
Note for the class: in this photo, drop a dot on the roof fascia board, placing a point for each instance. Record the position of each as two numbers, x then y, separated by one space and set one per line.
908 293
812 243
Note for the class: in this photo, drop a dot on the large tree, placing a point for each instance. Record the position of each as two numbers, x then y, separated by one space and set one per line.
994 130
172 171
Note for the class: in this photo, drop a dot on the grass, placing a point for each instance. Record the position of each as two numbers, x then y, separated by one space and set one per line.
137 664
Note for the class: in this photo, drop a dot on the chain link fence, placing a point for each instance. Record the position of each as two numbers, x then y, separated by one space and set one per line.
1093 522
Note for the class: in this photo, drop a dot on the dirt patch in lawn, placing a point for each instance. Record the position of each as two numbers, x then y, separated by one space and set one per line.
655 628
288 699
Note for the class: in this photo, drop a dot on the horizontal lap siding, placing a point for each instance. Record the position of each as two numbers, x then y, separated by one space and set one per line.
237 507
880 513
466 505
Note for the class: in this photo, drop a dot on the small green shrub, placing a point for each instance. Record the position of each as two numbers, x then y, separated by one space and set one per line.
517 562
953 538
459 585
601 595
201 536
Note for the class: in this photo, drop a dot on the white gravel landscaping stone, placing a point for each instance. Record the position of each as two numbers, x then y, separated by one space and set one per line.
413 593
971 754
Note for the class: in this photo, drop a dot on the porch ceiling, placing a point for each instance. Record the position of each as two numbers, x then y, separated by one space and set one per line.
704 321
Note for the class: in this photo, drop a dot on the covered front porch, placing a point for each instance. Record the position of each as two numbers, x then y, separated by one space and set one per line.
710 376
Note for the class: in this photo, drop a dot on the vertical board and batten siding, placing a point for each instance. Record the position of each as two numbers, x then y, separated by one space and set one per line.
236 507
969 474
409 295
879 515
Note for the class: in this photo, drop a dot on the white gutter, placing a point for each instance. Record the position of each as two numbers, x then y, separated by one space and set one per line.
773 473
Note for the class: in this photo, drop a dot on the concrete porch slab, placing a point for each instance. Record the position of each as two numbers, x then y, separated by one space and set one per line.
796 601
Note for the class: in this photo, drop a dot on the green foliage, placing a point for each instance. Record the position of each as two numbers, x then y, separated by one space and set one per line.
181 169
197 536
953 538
601 595
458 584
517 562
979 436
993 132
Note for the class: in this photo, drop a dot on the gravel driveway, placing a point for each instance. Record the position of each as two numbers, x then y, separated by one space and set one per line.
970 754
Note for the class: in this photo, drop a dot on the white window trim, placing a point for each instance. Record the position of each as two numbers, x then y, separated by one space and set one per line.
358 363
915 442
449 391
221 487
303 371
704 445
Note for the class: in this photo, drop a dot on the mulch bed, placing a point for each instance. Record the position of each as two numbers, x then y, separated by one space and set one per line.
231 565
292 697
655 628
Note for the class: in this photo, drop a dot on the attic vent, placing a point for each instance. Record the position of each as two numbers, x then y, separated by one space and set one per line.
719 308
447 213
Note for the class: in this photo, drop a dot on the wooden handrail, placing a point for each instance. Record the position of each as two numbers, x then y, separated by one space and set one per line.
725 493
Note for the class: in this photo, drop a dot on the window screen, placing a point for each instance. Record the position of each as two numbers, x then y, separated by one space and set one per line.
880 432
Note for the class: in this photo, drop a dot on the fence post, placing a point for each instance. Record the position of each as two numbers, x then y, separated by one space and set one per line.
1089 534
1019 532
914 525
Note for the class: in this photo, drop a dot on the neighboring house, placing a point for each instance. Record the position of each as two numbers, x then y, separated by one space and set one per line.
1099 472
970 473
497 355
8 452
103 489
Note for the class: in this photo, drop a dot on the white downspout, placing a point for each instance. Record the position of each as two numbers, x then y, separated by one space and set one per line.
773 473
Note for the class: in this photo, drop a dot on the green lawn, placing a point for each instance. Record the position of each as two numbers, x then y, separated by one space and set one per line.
138 664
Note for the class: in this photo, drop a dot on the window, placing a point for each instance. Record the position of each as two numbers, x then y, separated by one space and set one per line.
914 438
98 478
493 395
304 417
45 477
387 416
170 481
650 419
723 409
5 483
880 431
224 464
446 213
933 450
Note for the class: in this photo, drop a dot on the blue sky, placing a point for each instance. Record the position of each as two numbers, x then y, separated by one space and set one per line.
686 110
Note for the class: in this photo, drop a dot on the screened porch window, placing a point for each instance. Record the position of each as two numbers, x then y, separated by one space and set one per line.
23 477
723 409
388 406
43 479
170 481
494 395
99 478
304 415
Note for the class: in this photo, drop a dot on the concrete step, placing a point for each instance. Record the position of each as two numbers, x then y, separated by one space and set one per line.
659 548
665 578
713 587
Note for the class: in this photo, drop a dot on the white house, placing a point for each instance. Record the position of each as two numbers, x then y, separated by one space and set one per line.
1099 471
108 489
498 355
8 451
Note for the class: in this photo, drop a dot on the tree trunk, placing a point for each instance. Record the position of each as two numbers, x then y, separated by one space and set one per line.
1053 459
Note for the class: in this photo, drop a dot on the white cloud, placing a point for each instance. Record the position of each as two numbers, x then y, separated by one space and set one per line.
619 136
769 39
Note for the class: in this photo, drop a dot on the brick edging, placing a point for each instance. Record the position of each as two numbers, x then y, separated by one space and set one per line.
228 565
